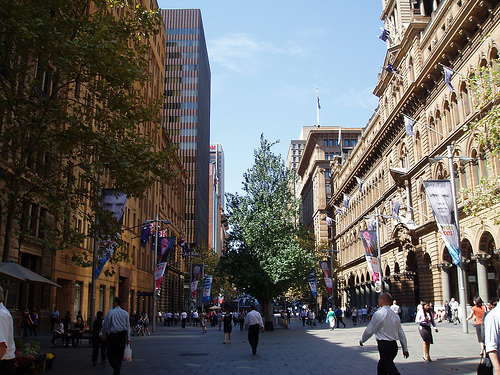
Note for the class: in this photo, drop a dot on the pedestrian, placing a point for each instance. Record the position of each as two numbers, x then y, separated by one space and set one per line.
288 315
195 318
34 319
184 316
396 308
54 316
242 319
176 317
77 332
303 316
447 311
145 321
354 315
364 311
97 342
477 312
492 336
117 326
425 320
203 323
386 326
253 323
330 318
454 311
219 319
338 316
7 345
228 318
58 331
67 327
26 323
312 318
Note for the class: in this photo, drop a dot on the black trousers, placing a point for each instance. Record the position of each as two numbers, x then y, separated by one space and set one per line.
96 343
253 336
116 347
388 351
7 367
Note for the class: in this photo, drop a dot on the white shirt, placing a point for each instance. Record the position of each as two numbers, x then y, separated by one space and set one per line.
252 318
195 314
7 332
184 315
492 329
386 325
454 305
396 308
116 320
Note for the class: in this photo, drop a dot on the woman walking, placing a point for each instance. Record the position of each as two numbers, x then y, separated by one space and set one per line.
330 318
425 320
26 323
477 313
228 318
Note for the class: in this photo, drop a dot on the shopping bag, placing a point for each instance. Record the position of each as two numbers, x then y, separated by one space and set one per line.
485 367
127 354
328 319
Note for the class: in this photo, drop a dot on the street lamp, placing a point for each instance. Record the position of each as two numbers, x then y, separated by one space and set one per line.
156 221
461 271
380 287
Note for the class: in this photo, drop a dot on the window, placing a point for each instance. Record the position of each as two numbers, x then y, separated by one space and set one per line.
185 119
173 55
332 143
189 105
189 55
327 173
326 142
78 298
172 92
353 142
101 298
189 92
185 31
189 68
188 80
346 143
174 68
111 296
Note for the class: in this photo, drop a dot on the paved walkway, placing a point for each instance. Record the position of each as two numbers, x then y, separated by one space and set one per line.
297 350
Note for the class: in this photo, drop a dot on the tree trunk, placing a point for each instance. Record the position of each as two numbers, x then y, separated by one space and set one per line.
9 227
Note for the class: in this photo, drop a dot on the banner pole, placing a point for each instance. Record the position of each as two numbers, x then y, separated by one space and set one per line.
379 255
460 267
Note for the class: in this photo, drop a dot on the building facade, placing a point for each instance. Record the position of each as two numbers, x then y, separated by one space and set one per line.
186 112
388 165
217 231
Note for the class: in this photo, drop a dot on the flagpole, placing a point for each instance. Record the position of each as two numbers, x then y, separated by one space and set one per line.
379 255
378 113
427 126
317 108
154 267
393 72
454 71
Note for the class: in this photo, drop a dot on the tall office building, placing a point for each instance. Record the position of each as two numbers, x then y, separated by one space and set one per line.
216 227
186 111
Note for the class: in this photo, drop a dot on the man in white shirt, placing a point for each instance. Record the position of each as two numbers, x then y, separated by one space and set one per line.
386 326
253 323
184 316
7 345
195 318
454 311
117 325
396 308
492 337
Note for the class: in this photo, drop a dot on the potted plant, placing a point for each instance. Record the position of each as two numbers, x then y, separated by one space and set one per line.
51 357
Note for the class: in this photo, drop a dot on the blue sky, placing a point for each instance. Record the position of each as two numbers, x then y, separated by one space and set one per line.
268 57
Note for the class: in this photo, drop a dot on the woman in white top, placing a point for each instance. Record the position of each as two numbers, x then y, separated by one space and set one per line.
425 320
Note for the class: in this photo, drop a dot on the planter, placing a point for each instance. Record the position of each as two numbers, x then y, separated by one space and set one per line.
49 363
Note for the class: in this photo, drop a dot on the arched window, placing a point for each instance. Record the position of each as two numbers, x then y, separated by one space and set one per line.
476 172
411 69
447 125
464 99
455 114
439 127
432 133
418 146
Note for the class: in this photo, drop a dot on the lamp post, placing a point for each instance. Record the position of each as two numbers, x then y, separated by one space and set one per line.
156 221
460 269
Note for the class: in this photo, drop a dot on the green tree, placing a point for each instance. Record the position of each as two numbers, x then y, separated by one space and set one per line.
263 254
71 109
484 84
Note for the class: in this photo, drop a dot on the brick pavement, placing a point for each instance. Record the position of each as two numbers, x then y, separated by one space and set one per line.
298 350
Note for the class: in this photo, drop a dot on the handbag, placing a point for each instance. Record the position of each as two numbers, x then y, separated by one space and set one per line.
485 367
127 354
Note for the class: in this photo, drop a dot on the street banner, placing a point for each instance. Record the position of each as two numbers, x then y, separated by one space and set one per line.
166 244
159 271
327 274
221 299
312 284
114 201
369 241
440 199
195 277
207 287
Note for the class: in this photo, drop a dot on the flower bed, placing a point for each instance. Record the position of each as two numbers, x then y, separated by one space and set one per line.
30 359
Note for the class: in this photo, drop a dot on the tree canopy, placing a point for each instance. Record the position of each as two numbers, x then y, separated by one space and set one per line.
263 255
74 114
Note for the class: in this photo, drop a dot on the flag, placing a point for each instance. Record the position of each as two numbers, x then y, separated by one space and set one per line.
409 122
385 35
390 68
329 221
347 198
372 223
327 274
312 284
448 74
145 234
395 209
339 210
360 183
195 277
439 195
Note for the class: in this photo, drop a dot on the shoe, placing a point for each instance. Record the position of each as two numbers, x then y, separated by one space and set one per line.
254 351
223 342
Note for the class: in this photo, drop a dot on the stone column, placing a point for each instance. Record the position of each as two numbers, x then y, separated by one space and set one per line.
482 277
445 283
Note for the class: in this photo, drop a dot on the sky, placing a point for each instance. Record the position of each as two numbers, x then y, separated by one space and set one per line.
268 57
